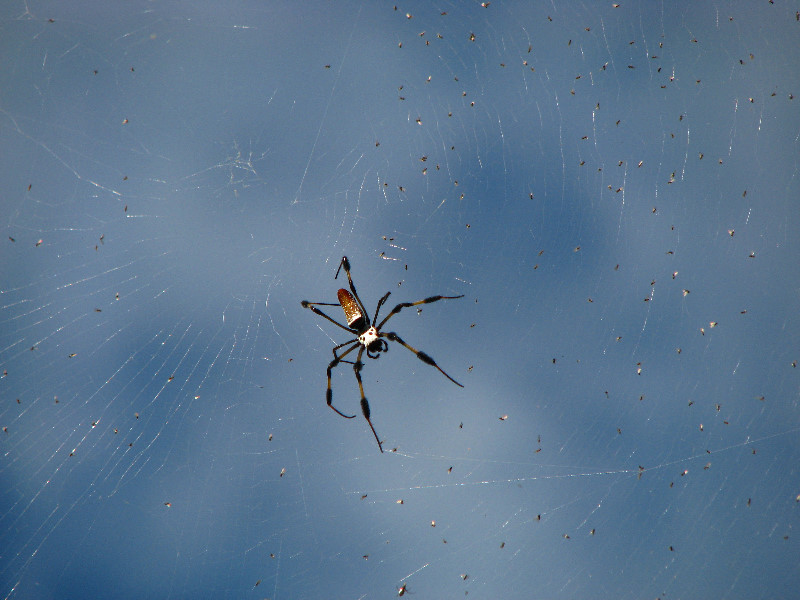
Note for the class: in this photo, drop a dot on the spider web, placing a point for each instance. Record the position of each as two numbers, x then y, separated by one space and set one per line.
614 189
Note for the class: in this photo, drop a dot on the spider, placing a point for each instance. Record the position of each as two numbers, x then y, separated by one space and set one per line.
369 337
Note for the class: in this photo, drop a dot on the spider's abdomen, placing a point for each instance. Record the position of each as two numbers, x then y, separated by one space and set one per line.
352 312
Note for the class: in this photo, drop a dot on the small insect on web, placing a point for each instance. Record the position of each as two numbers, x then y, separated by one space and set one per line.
369 337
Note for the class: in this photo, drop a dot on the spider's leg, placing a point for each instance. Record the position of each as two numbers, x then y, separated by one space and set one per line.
377 310
420 354
364 404
346 264
335 348
313 307
403 305
336 360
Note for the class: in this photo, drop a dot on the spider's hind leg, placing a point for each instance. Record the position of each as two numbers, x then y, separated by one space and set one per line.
403 305
312 306
380 303
346 264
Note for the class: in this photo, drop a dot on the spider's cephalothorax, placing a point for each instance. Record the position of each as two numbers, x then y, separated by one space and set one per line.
369 337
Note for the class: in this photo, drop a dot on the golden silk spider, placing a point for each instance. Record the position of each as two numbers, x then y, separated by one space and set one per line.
369 337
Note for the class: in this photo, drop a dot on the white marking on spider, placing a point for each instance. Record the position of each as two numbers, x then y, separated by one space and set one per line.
367 338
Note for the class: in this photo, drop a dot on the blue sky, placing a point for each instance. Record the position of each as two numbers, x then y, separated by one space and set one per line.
614 191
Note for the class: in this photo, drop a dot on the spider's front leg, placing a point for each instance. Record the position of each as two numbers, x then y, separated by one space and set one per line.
426 358
333 364
364 404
